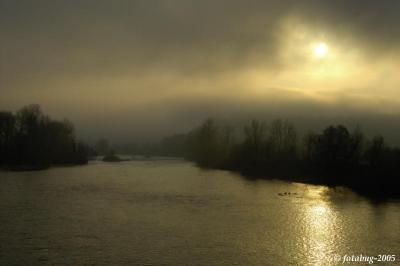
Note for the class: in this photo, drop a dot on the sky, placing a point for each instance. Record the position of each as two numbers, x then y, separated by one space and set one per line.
138 70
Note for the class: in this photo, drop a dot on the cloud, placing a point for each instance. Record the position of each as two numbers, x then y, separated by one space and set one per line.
65 37
91 59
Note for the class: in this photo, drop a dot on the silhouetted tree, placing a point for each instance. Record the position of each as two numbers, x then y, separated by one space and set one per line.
7 133
34 140
283 139
357 146
204 144
251 154
375 151
335 157
310 147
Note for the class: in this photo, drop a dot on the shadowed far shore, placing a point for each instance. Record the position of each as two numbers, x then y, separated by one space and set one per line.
30 140
333 157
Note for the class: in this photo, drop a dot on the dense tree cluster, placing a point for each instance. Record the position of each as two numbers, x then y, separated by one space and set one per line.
335 156
31 139
259 148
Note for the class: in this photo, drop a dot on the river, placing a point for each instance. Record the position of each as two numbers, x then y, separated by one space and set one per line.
169 212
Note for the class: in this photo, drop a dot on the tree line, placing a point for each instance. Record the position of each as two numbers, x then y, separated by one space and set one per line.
30 139
335 156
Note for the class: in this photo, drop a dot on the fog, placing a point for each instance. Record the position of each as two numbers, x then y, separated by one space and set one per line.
140 70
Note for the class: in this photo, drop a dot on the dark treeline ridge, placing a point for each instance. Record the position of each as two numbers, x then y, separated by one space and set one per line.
31 140
335 156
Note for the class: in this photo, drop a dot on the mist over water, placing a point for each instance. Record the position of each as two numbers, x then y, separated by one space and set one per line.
169 212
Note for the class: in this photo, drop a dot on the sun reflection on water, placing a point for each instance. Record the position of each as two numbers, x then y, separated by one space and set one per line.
321 228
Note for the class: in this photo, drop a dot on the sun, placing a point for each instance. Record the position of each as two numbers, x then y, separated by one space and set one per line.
320 50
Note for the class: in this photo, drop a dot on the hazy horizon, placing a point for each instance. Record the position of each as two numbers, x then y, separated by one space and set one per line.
141 70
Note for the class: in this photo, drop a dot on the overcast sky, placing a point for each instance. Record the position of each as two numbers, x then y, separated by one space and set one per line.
142 69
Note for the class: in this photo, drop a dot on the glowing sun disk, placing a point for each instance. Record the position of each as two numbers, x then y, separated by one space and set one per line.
320 50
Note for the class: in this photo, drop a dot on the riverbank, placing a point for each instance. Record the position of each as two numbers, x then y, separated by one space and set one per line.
363 184
34 167
334 157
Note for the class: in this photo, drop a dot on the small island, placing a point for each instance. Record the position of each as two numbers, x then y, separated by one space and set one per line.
111 157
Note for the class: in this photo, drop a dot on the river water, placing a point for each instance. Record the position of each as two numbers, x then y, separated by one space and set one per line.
169 212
